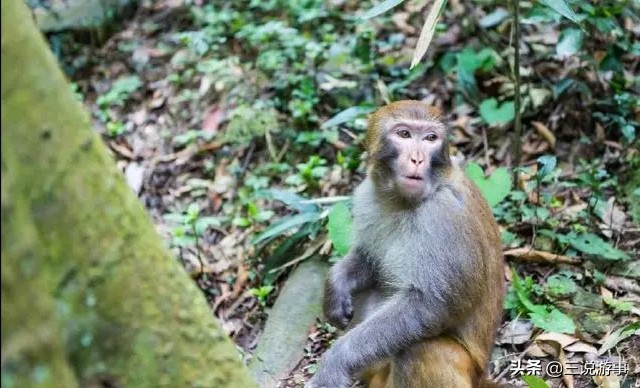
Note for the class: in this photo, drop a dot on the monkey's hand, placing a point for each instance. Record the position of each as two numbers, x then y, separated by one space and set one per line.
338 305
331 373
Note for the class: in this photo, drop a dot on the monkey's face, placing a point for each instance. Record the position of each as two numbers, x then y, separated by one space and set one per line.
419 148
408 149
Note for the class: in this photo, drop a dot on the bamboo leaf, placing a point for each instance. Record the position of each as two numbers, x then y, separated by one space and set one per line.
428 29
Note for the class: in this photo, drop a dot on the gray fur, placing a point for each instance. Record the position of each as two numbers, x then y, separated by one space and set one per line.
415 257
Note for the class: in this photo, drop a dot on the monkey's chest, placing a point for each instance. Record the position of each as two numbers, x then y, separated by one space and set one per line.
403 255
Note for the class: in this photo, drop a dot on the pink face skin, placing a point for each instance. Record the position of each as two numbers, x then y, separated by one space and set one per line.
417 143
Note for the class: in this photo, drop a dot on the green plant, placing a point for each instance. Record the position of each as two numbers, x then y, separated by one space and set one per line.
115 129
188 227
120 91
546 317
309 173
262 293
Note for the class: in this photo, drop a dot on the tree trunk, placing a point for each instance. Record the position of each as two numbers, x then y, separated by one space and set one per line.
90 297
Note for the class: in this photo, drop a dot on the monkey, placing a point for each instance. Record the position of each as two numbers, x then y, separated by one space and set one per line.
422 287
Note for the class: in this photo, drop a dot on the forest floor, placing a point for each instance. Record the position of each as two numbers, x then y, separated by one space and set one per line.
207 109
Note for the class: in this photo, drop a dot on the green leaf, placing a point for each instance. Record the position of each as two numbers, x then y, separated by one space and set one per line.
285 225
592 244
614 338
347 115
495 188
495 115
570 42
203 223
494 18
380 8
555 321
548 163
339 227
552 320
290 199
534 381
561 7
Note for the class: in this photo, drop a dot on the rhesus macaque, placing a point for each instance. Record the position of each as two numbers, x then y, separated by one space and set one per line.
422 287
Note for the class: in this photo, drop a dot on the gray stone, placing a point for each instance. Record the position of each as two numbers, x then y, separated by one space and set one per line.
281 345
75 15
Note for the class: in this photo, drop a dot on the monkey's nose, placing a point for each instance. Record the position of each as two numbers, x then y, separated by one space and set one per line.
417 160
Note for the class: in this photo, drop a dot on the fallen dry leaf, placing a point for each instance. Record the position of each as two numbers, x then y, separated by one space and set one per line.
121 149
212 119
545 132
581 347
613 217
559 338
515 333
538 350
134 174
612 381
241 280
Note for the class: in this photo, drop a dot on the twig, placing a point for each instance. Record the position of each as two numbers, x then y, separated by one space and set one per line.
517 144
248 156
486 146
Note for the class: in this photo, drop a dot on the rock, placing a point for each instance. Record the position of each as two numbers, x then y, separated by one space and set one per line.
282 343
76 15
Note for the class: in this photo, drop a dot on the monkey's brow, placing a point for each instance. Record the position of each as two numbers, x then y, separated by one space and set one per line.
420 124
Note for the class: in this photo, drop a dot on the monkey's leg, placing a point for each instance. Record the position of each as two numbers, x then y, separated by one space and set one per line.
377 377
440 362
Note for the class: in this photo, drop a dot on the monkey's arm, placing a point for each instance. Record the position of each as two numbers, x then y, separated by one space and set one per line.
350 275
404 319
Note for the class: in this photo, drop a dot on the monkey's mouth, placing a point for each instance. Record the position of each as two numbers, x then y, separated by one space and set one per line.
412 183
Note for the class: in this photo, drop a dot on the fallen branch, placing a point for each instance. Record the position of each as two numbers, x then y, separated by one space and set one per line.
619 283
535 256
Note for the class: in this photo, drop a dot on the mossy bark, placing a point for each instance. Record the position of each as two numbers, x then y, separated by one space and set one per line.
89 293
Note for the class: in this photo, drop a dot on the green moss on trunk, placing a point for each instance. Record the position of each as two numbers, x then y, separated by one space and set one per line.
83 263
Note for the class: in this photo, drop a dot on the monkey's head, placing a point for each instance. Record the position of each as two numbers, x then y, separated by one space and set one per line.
408 150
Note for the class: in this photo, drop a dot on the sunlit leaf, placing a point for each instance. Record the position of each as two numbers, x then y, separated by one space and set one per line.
428 29
570 42
284 225
494 18
292 200
561 7
339 227
548 163
347 115
380 8
554 321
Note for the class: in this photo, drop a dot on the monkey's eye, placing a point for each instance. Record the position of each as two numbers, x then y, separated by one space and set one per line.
403 133
431 137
